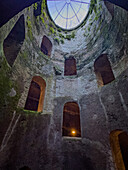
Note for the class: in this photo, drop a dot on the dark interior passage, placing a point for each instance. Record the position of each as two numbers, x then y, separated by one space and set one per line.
46 46
33 97
103 70
25 168
123 141
119 146
13 42
70 67
71 120
36 94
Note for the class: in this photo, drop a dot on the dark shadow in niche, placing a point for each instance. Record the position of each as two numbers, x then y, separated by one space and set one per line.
36 94
37 10
110 7
46 46
70 66
103 70
57 71
71 120
12 44
25 168
119 145
123 141
33 97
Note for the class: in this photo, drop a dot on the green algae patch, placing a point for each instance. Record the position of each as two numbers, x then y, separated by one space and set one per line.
7 102
27 112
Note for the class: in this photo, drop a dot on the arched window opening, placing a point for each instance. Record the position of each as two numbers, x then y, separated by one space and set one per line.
25 168
71 120
103 70
119 145
110 7
70 66
46 46
12 44
36 94
123 141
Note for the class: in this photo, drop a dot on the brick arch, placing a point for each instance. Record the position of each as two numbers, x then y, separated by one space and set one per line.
36 94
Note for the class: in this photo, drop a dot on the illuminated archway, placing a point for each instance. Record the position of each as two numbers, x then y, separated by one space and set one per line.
119 145
71 120
36 94
103 70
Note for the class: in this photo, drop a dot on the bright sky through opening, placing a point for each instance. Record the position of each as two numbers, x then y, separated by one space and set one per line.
68 14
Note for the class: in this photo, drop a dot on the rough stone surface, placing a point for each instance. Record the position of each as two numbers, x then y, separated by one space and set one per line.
35 139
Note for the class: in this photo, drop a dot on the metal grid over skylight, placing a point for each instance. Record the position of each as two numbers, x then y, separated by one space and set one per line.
68 14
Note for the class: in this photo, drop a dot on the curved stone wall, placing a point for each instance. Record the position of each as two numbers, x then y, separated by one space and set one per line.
34 139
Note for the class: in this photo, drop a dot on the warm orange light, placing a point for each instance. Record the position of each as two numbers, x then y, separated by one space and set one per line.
73 132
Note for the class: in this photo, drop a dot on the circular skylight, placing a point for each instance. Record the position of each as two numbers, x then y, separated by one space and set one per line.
68 14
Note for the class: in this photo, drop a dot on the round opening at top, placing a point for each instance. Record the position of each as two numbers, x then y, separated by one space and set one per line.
68 14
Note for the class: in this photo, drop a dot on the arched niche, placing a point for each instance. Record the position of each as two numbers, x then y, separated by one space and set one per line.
46 46
70 66
36 94
103 70
12 44
25 168
119 145
71 120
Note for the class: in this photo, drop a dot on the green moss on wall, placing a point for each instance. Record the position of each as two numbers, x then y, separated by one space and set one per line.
68 37
25 54
29 25
27 112
57 40
62 41
46 26
51 29
92 6
61 35
29 8
35 6
42 19
6 84
59 29
44 15
43 6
